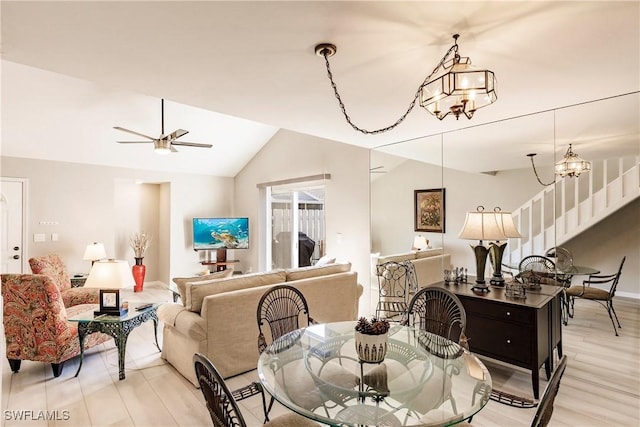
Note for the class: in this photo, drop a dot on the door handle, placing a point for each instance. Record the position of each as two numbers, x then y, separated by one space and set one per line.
16 257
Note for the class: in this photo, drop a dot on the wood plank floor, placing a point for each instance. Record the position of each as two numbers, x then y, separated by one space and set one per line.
601 386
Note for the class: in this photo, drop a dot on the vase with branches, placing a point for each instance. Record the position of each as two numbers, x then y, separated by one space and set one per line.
139 242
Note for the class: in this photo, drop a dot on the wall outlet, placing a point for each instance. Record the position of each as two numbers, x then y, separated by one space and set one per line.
39 237
54 237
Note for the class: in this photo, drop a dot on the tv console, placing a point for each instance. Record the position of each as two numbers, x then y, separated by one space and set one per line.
221 261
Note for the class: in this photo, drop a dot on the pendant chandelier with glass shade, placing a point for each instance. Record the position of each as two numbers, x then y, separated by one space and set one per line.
571 164
454 87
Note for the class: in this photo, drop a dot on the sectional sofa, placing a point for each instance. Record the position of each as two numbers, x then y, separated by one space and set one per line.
217 316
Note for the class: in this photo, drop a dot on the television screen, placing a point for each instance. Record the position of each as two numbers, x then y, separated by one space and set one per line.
220 233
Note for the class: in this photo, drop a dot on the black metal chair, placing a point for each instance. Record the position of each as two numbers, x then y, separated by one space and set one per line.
281 308
538 269
221 404
438 311
546 403
545 406
393 289
602 296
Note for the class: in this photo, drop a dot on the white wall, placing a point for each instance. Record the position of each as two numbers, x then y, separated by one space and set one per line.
291 155
98 203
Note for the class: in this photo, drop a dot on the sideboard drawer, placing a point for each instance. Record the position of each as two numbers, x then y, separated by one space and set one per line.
502 312
510 342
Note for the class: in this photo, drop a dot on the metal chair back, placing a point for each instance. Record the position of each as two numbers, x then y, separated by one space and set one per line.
393 288
545 406
281 307
438 311
222 407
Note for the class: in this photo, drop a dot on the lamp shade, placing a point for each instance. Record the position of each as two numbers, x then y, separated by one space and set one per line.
420 243
110 274
94 251
481 225
506 225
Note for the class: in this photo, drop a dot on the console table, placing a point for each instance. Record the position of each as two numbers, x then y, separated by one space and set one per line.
521 332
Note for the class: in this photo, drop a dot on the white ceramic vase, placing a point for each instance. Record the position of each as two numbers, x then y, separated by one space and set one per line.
371 348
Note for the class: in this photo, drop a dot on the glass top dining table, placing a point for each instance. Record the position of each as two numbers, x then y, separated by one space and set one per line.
424 379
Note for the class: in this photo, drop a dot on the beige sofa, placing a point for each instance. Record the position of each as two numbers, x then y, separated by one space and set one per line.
217 317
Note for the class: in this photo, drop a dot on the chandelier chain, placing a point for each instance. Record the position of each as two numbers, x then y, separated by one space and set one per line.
326 55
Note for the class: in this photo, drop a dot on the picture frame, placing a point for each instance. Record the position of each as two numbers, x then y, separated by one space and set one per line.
110 303
429 210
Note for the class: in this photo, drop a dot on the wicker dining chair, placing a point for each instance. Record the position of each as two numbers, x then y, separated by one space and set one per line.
221 404
595 293
540 269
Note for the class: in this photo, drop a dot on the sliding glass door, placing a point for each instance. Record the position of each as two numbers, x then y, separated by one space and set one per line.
297 226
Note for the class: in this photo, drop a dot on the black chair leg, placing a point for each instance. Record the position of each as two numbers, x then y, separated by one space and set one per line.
57 369
609 312
14 364
614 313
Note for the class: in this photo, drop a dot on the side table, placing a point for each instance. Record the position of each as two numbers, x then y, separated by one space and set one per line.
78 281
118 327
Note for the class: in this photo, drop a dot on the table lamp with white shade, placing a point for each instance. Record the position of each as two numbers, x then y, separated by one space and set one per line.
481 225
420 243
110 276
94 252
496 249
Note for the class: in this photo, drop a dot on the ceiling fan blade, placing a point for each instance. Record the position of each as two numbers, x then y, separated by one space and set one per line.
177 134
192 144
133 142
133 132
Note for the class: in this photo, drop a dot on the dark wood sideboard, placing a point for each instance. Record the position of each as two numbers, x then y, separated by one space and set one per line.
521 332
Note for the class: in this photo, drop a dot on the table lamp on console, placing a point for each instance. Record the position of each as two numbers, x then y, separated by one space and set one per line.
496 250
110 276
481 225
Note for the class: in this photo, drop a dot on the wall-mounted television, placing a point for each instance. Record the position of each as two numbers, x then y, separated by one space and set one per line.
220 233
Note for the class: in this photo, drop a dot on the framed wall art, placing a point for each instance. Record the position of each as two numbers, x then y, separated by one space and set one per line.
429 211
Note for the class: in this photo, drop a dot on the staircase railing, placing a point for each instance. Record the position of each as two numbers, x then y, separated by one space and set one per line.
560 212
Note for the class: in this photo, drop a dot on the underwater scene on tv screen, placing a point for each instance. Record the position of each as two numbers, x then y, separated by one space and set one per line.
220 233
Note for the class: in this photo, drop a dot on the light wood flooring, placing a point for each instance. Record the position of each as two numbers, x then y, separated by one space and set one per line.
601 386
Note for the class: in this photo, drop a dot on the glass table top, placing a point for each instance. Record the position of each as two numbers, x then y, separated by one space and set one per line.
89 316
424 378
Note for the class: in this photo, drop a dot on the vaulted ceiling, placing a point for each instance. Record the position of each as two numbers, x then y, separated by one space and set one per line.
234 72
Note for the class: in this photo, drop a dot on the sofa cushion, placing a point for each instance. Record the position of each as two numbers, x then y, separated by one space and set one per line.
185 321
426 253
196 291
313 271
396 257
325 260
181 281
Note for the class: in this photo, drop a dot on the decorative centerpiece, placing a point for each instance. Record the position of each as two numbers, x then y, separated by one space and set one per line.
139 242
371 339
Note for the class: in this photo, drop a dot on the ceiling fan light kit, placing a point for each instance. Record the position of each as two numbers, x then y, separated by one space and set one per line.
454 87
164 144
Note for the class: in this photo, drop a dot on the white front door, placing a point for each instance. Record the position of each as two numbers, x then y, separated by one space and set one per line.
12 235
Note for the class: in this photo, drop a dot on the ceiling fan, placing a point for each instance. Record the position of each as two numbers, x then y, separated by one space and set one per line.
164 144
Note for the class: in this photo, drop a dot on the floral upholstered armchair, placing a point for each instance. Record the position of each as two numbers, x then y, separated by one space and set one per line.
52 266
35 322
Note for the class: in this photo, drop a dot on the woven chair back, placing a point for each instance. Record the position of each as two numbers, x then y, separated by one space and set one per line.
284 309
438 311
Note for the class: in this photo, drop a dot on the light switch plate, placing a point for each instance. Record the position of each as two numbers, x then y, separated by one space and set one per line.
54 237
39 237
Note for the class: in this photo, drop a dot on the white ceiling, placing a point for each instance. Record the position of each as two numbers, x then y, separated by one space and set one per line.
255 61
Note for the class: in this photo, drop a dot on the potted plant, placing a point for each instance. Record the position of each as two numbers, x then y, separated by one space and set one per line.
371 339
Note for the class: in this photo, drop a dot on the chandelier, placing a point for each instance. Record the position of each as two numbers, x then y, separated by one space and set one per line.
454 87
571 165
